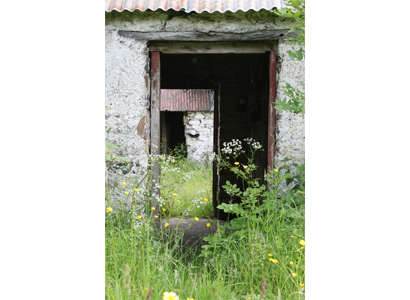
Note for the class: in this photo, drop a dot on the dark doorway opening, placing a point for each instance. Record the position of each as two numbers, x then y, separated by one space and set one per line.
241 85
172 130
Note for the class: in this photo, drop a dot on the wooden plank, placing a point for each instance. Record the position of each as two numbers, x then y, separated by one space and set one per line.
262 35
164 138
155 125
215 167
213 47
272 111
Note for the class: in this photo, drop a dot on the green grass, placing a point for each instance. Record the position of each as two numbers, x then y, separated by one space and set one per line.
231 267
192 183
235 271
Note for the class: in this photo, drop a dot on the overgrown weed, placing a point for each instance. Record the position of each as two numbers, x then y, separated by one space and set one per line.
265 243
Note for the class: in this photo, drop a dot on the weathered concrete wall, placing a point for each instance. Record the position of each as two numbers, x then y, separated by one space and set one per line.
199 134
127 89
290 127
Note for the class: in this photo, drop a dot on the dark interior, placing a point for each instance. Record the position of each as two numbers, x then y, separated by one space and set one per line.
174 131
243 82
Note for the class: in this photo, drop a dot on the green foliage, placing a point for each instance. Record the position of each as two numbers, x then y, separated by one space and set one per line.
263 238
296 101
179 152
296 12
191 182
110 156
262 244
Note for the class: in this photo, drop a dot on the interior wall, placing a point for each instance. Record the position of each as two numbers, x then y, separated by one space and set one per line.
199 134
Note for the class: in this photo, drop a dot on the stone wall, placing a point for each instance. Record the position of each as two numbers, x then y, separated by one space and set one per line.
199 134
290 127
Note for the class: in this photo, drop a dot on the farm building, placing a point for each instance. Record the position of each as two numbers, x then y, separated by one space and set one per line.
227 59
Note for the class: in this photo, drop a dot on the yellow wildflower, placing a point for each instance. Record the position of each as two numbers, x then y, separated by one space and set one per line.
207 224
275 170
275 261
170 296
164 209
126 193
301 284
153 208
139 217
270 255
196 219
156 217
291 263
302 242
109 209
174 194
136 244
294 275
236 163
136 190
124 183
178 201
245 167
206 200
166 224
271 259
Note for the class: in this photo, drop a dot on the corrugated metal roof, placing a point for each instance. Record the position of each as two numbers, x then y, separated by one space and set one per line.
192 5
187 100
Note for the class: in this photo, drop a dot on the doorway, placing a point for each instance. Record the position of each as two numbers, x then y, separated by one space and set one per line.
172 131
243 89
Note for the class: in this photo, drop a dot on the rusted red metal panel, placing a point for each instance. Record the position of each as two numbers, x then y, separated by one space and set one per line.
192 5
272 111
186 100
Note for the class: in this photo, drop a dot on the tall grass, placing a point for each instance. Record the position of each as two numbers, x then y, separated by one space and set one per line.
255 256
137 259
192 182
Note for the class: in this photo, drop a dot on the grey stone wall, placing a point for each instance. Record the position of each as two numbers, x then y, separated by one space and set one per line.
199 134
290 127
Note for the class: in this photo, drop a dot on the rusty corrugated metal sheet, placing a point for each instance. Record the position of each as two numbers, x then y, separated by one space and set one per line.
193 5
187 100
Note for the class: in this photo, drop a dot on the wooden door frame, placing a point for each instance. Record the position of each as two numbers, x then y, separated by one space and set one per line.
209 48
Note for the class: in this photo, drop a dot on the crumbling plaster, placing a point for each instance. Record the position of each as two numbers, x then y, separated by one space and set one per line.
127 89
128 79
290 127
